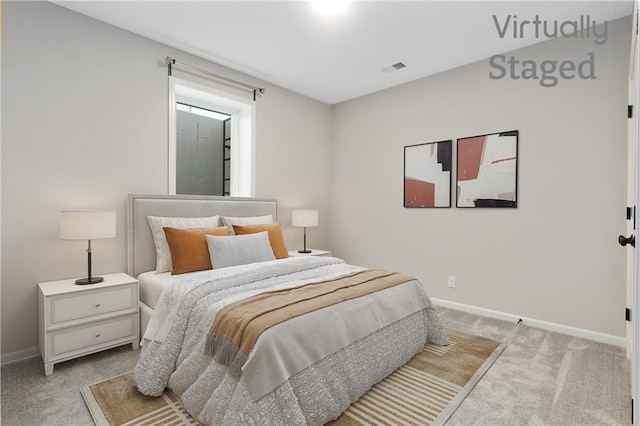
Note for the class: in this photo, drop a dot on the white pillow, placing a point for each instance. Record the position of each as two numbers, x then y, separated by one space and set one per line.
239 249
163 254
250 220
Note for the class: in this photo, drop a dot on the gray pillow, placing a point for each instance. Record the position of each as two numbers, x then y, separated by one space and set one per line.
239 249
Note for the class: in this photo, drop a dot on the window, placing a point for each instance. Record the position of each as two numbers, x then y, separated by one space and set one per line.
196 165
203 151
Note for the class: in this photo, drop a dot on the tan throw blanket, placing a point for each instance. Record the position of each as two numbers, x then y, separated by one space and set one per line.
237 326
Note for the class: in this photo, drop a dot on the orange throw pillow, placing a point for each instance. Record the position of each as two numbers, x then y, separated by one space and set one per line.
188 247
275 237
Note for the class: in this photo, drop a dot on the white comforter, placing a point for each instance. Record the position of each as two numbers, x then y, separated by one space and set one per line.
173 349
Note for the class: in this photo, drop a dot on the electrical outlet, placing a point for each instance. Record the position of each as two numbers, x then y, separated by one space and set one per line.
451 282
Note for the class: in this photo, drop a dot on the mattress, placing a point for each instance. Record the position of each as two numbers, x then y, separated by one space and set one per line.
153 284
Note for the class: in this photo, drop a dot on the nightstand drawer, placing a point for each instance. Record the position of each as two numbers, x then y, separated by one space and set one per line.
90 303
93 334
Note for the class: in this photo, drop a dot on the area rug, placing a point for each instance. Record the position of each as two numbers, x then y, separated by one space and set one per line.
425 391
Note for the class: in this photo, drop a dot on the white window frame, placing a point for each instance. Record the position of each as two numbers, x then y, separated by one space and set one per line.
241 110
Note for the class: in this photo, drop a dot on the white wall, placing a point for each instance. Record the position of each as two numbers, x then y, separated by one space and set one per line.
555 258
84 114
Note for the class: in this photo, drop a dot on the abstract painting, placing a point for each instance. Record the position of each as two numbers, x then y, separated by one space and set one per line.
427 174
487 170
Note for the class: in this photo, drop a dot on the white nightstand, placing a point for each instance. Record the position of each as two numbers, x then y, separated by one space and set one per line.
77 320
313 253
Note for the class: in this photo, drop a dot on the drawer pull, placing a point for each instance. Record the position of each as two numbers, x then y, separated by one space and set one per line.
97 304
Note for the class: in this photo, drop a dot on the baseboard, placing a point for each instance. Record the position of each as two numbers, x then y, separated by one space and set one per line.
10 357
532 322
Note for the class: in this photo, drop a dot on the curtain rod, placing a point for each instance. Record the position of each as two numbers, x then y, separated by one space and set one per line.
229 82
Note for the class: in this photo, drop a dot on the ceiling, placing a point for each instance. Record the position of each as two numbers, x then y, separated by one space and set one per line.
336 58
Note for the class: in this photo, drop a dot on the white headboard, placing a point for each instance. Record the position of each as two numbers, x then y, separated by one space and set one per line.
141 249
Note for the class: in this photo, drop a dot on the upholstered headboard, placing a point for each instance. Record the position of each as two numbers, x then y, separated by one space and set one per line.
141 249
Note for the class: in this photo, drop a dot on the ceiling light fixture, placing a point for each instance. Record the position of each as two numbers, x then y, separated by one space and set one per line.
330 7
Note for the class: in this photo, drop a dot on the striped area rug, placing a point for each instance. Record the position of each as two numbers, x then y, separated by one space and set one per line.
427 389
116 401
424 391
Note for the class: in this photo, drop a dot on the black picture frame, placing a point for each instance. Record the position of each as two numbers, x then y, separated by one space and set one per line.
427 174
487 170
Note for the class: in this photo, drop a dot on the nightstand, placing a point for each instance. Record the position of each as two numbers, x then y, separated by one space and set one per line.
293 253
77 320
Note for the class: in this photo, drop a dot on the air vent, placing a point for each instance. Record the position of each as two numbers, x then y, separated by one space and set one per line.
394 67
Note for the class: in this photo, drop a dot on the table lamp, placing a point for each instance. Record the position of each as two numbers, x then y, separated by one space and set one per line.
304 219
87 225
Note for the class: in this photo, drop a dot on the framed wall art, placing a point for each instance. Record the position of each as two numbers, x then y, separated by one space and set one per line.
487 170
427 174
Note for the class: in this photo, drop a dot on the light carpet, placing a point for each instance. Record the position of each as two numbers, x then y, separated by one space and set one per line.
424 391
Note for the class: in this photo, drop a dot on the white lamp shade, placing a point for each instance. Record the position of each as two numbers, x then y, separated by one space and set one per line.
87 225
304 218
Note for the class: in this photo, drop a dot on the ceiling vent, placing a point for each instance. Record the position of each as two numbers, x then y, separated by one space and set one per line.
394 67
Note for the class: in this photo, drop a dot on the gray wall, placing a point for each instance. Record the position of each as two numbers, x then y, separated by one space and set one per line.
554 258
84 114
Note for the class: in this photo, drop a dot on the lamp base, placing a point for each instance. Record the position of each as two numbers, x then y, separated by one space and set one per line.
304 251
86 281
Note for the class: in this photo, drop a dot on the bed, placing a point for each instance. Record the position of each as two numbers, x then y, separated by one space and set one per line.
306 370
